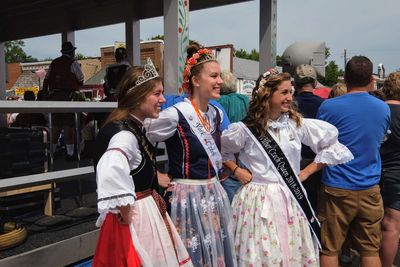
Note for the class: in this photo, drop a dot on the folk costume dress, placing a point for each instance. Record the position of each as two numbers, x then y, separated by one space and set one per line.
270 228
200 208
126 175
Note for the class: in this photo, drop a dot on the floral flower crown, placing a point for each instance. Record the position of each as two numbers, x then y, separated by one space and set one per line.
270 72
205 55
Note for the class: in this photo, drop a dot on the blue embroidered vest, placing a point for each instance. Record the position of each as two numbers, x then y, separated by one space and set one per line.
186 155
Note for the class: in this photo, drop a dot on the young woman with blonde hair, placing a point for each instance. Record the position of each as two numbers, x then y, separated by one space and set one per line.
274 222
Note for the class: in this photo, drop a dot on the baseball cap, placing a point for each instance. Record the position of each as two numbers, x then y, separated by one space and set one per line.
304 71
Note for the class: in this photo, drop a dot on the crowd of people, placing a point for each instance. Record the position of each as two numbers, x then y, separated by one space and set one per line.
278 180
285 178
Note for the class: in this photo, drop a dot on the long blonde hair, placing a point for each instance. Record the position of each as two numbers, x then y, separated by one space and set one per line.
260 105
129 100
338 90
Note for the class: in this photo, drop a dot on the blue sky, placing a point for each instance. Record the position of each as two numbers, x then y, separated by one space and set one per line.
366 27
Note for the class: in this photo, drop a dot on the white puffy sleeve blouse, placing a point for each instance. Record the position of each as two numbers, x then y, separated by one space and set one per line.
115 187
321 136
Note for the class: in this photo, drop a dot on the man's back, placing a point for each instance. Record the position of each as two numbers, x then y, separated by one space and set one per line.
60 76
114 74
308 104
362 121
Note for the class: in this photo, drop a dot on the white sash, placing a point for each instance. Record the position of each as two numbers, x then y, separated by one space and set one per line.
205 138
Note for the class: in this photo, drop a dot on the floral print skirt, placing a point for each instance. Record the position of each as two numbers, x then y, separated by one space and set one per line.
202 215
270 229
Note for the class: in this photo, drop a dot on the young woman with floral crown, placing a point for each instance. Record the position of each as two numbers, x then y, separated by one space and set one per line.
135 227
200 208
274 222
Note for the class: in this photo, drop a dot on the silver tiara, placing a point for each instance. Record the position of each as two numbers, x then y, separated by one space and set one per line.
148 74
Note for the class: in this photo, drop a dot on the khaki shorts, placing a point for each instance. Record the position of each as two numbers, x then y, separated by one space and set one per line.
358 213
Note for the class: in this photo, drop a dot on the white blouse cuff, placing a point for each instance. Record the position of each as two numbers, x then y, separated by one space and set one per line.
334 154
104 205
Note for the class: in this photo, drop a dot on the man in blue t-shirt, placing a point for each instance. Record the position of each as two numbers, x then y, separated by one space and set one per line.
350 195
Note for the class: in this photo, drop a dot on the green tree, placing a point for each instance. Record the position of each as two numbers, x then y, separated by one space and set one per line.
14 52
327 52
157 37
79 56
332 71
279 60
241 53
254 55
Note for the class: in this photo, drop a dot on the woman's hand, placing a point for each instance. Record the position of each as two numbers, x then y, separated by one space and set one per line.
243 175
125 214
163 179
311 168
224 175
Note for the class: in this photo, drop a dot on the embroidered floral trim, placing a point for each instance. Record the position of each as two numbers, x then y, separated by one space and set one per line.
334 154
186 147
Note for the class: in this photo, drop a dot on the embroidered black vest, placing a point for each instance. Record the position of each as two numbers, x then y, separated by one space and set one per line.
186 155
145 175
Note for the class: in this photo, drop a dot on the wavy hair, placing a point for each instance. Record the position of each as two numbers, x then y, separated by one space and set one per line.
391 86
260 105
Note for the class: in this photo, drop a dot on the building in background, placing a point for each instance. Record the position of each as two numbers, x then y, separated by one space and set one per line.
22 76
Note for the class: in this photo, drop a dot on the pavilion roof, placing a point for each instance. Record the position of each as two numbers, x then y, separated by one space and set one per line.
20 19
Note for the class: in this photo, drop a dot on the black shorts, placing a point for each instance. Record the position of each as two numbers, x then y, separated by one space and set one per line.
391 194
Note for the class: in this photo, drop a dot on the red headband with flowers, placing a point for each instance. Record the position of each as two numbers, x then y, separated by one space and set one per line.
192 62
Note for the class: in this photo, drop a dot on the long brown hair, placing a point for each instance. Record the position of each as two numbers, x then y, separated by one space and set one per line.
260 105
129 100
